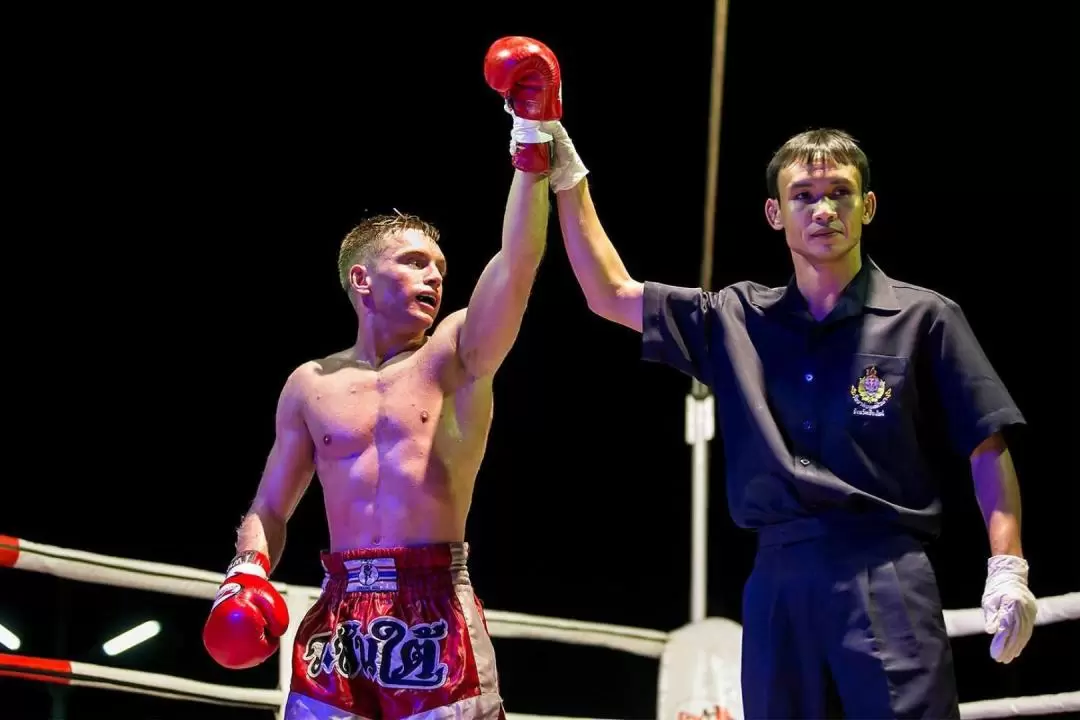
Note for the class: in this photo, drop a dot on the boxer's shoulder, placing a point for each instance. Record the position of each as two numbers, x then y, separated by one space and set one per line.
304 375
316 376
300 380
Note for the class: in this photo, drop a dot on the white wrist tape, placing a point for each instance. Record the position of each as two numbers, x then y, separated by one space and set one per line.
246 563
528 132
247 569
525 132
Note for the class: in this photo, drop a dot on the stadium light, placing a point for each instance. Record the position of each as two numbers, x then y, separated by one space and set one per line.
9 639
131 638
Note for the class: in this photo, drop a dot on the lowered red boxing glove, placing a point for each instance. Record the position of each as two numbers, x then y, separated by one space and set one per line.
248 615
526 73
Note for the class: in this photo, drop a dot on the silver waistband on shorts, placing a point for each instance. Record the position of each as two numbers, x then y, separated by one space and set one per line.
368 575
379 574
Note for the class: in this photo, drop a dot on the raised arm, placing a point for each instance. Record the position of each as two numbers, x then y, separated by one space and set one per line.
527 74
609 290
497 306
287 473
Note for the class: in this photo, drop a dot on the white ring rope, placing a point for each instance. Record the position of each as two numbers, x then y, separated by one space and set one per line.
70 672
191 582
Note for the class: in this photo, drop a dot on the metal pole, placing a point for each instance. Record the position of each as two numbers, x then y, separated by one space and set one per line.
699 431
699 404
58 694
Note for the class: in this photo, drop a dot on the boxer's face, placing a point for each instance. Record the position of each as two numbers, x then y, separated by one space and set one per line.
403 284
821 209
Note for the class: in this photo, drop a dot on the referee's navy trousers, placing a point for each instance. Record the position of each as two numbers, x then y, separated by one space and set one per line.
844 623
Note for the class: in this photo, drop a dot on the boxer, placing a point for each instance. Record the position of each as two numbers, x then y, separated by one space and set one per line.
396 427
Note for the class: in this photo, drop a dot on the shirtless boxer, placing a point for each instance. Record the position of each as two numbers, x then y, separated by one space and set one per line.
396 427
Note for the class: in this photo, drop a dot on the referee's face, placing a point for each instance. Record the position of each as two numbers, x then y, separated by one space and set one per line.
821 209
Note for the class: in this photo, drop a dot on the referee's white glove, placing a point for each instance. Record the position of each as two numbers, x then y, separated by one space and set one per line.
1008 605
568 169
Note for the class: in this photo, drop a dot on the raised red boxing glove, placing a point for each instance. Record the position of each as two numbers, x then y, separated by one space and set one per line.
248 615
526 73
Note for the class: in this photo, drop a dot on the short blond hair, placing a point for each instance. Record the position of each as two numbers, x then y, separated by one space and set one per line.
367 239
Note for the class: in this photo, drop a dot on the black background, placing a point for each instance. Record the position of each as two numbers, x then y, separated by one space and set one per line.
179 186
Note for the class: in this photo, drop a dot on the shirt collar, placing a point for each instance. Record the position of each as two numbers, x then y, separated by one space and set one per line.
869 289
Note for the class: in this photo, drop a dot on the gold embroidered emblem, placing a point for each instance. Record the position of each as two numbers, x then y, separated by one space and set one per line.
870 394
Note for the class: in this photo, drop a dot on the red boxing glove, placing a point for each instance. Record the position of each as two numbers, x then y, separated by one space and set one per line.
526 73
248 615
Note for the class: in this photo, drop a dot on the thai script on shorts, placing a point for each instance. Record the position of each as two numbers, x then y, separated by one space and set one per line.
390 653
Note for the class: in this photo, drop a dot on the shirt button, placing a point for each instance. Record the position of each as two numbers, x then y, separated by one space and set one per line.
808 424
804 461
809 377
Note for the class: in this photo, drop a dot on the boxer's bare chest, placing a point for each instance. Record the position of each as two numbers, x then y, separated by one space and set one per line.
354 408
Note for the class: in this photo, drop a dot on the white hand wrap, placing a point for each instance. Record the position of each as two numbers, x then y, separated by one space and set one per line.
569 170
1009 607
526 132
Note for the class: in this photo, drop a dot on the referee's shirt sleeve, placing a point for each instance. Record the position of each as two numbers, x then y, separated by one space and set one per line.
973 399
678 328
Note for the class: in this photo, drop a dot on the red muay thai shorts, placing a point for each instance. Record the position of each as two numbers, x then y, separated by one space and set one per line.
396 633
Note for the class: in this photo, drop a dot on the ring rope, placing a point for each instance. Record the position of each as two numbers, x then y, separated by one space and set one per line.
139 682
81 674
190 582
1067 702
70 672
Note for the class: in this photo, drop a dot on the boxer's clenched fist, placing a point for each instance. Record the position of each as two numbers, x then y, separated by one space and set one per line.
526 73
248 615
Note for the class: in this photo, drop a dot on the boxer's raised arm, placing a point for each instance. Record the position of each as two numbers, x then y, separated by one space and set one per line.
498 301
289 469
609 290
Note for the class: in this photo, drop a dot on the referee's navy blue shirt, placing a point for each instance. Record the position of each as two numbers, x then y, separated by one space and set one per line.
831 418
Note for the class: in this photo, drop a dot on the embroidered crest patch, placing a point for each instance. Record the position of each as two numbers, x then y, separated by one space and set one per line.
870 394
